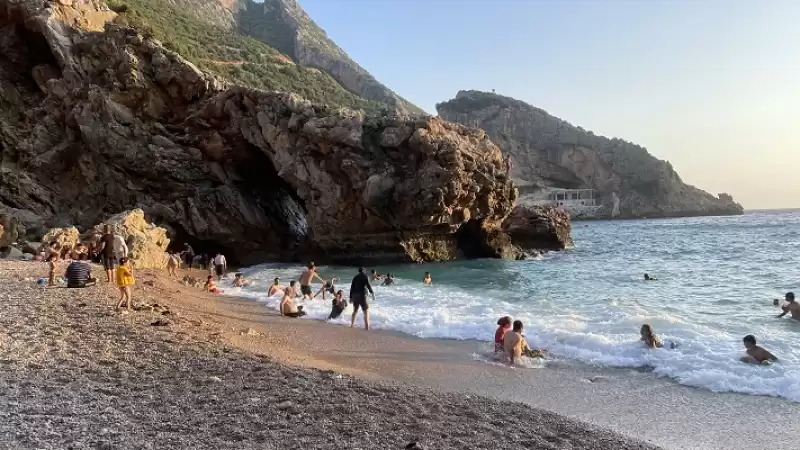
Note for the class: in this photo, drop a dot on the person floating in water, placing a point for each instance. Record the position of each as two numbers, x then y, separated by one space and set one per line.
503 325
388 280
427 279
328 287
791 307
275 288
338 304
647 277
756 354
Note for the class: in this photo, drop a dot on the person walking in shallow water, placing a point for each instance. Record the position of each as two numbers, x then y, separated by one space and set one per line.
358 297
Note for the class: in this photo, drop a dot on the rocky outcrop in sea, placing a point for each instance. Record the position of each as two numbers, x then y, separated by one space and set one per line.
98 118
548 152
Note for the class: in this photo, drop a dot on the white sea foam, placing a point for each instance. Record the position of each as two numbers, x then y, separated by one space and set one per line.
588 305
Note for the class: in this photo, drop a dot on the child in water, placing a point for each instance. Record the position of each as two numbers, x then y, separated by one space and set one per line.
427 280
649 337
125 281
503 325
211 286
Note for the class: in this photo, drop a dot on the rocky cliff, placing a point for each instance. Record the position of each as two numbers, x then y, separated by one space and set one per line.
284 25
549 152
96 118
271 44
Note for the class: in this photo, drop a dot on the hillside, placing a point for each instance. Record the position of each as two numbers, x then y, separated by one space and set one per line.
272 45
548 152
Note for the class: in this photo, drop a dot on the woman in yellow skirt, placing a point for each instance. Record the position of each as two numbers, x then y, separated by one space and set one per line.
125 281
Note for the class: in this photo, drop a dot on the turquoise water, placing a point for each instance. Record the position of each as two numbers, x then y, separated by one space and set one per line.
717 279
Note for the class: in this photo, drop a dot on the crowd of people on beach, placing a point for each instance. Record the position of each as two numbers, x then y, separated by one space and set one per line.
111 251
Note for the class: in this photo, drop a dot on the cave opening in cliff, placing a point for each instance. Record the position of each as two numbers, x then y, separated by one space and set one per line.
471 240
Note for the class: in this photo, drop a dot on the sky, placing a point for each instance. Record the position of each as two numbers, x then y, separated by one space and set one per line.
711 86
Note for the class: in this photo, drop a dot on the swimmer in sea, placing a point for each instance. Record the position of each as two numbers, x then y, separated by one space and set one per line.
756 354
427 279
649 338
514 343
275 288
240 281
649 278
791 306
328 287
375 276
387 280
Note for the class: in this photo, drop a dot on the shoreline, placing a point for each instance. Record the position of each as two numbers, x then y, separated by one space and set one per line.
75 373
637 404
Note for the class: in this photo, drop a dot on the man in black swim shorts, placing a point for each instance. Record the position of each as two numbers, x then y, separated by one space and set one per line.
358 297
306 278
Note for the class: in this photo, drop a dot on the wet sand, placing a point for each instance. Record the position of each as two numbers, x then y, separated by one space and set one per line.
242 340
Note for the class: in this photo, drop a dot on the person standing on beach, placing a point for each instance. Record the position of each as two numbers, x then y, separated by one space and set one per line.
107 252
220 266
306 278
125 281
358 297
791 306
188 255
52 263
173 262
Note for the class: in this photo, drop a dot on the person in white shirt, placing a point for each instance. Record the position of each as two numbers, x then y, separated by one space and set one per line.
120 247
220 266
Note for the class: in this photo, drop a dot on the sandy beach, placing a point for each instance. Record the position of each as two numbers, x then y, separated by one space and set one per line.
76 374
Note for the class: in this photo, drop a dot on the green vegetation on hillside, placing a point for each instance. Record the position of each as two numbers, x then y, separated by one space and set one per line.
240 59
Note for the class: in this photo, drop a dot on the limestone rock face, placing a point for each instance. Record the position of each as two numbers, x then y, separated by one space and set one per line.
539 228
147 243
549 152
258 175
67 238
286 26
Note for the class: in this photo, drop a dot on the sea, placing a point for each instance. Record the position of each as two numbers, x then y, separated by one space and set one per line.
717 279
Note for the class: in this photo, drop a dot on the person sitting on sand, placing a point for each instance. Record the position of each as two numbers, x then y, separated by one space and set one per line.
306 278
515 344
210 286
240 281
649 338
125 281
275 288
427 280
388 280
79 273
503 325
287 306
328 287
756 354
649 278
338 304
791 306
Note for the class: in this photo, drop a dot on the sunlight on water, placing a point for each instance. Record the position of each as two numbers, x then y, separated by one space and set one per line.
717 278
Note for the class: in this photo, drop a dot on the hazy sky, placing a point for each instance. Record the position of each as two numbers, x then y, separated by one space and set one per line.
712 86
